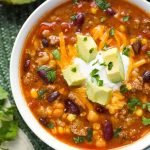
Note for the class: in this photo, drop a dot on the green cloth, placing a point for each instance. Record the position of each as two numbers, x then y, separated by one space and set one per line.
11 20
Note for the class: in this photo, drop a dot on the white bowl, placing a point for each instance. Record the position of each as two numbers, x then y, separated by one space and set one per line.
15 82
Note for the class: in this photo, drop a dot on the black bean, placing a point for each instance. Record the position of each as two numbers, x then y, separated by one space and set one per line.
80 18
71 107
26 66
53 96
110 12
43 121
108 130
137 45
45 42
100 109
146 76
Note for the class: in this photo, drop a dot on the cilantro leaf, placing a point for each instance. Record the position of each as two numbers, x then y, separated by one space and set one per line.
112 32
146 121
116 132
123 88
89 134
94 72
51 75
126 18
51 125
110 65
146 105
3 95
73 17
75 1
132 103
148 53
56 54
126 51
102 4
79 139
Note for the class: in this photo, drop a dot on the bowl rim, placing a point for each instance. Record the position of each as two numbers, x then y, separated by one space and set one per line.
20 101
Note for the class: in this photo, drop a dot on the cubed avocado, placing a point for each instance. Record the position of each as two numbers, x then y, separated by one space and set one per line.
87 48
72 75
115 68
98 94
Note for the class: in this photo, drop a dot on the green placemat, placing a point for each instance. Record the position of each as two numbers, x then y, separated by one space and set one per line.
11 20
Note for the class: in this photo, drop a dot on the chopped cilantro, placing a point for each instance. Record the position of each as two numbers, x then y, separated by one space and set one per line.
56 54
74 69
132 103
116 132
75 1
102 4
112 32
73 17
102 19
89 134
100 82
91 50
41 93
126 18
123 88
126 51
146 106
51 75
110 65
50 125
148 53
85 39
146 121
94 72
103 64
79 139
95 63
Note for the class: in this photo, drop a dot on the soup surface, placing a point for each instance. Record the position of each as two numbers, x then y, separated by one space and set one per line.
85 73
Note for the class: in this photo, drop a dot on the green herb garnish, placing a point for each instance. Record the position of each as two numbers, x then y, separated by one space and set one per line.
74 69
103 64
116 132
126 18
123 88
146 106
41 93
126 51
132 103
85 39
75 1
102 19
56 54
95 63
51 75
79 139
102 4
73 17
112 32
100 82
51 125
105 47
94 72
110 65
148 53
89 134
91 50
146 121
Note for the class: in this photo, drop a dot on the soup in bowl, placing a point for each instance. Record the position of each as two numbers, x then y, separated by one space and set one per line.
80 74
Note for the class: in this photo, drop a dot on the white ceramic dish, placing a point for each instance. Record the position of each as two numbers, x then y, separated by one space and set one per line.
15 83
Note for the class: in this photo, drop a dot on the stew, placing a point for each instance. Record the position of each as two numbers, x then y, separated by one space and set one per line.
85 73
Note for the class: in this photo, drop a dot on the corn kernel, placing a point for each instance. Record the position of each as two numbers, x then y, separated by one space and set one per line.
67 130
92 116
34 93
54 130
122 28
144 41
139 112
100 143
60 130
96 126
94 10
133 40
71 117
129 87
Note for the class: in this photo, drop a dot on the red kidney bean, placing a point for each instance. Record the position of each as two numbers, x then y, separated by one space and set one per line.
71 107
146 76
53 96
26 66
80 18
108 130
110 12
43 121
137 45
45 42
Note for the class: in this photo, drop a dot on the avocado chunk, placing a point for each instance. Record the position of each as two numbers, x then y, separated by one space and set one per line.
87 47
18 2
98 94
72 75
115 68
